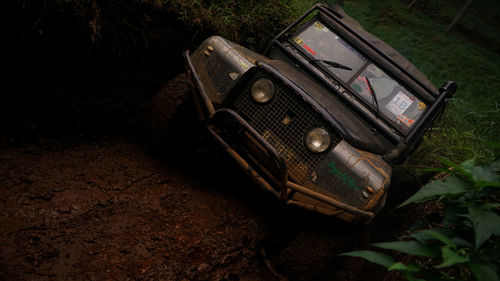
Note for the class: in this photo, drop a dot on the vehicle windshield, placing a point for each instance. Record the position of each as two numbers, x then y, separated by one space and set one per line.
322 44
386 96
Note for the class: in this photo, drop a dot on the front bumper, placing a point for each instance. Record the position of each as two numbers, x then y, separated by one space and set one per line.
261 161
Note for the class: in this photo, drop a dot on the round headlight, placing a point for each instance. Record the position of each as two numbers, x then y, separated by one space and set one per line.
318 140
262 90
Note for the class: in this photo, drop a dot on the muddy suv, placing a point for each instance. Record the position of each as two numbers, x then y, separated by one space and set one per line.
320 117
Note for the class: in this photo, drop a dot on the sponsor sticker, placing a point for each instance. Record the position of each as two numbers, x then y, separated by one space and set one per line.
406 120
421 106
300 42
318 25
373 69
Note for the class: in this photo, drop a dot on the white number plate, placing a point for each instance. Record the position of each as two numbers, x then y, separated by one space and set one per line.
399 104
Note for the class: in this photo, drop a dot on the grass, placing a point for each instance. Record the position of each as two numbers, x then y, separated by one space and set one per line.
473 114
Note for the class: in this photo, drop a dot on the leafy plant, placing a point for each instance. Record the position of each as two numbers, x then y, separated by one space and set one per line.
464 244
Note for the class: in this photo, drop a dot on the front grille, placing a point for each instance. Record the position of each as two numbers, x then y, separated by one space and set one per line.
284 123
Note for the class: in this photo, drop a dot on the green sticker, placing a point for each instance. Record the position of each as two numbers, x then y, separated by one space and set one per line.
348 181
357 88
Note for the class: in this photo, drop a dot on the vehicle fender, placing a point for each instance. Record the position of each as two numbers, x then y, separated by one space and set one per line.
353 176
219 63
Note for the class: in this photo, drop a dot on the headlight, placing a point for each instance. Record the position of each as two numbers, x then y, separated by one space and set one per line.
262 90
318 140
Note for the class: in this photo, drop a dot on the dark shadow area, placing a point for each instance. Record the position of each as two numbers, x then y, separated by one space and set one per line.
70 76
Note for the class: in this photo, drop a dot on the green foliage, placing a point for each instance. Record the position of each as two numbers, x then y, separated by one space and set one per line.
409 247
465 243
485 222
453 185
378 258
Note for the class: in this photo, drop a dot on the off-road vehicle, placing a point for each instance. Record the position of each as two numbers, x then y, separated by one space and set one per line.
319 119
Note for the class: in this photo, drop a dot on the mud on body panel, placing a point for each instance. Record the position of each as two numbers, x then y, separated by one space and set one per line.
219 64
356 177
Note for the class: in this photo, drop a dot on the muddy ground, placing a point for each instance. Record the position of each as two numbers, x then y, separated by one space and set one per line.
114 207
109 211
92 189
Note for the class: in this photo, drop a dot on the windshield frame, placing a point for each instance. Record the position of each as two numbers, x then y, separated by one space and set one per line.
400 128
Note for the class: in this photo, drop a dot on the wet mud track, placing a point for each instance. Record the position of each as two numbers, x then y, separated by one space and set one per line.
108 211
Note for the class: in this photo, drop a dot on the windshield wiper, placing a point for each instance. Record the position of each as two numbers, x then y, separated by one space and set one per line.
333 64
372 91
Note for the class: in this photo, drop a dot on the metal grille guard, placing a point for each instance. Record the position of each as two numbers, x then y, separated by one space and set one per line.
285 187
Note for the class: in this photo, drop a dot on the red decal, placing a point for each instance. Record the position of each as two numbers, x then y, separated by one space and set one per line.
309 49
407 121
